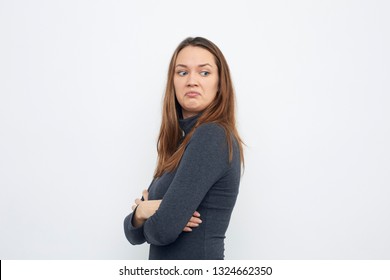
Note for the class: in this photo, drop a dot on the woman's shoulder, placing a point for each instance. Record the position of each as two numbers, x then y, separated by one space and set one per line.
215 132
212 133
209 141
210 130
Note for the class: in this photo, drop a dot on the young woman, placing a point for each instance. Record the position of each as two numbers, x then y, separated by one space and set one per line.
186 210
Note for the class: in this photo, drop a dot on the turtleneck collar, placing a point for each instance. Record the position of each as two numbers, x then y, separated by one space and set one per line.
187 124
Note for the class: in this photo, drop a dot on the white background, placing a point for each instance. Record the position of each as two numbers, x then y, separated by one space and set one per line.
81 86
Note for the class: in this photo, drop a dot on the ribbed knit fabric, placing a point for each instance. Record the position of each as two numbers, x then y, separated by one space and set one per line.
204 181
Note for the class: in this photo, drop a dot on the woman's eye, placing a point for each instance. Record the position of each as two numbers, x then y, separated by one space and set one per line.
182 73
205 73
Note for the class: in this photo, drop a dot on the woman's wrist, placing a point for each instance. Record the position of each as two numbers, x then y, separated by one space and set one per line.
138 220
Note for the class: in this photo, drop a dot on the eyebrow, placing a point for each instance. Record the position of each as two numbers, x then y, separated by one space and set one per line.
200 65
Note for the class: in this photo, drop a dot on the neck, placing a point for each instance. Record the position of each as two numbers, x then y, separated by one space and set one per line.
187 114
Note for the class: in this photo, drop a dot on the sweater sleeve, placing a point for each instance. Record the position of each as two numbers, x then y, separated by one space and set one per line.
204 161
135 235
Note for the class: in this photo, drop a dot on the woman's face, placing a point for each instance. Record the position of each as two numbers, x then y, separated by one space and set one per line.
195 80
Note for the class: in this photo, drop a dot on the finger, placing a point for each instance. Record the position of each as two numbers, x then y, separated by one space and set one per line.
187 229
195 220
145 194
189 224
196 214
138 201
134 206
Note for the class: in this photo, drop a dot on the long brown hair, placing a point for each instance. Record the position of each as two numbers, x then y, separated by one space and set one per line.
221 111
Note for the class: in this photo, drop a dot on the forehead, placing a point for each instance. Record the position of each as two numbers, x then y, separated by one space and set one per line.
193 56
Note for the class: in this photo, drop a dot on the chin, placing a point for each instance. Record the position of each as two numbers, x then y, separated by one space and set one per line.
192 108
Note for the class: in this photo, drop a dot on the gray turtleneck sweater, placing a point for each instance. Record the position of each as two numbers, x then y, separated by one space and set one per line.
205 181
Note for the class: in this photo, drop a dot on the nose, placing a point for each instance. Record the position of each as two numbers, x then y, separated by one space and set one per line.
191 80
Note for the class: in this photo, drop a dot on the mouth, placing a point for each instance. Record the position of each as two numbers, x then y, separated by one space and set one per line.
192 93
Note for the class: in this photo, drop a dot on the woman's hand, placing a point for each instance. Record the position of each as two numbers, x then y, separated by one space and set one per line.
146 208
193 222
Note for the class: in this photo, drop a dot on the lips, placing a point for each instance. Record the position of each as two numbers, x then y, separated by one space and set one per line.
192 93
